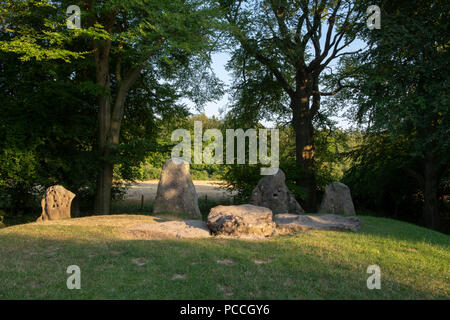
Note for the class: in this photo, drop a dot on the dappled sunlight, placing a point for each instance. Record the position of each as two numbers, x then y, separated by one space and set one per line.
308 152
118 220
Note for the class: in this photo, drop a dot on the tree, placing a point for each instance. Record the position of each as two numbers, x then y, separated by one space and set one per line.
282 51
47 125
141 35
147 51
36 30
403 91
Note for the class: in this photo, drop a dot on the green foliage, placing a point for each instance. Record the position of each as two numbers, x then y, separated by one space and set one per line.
401 94
282 53
149 172
36 30
151 167
378 181
46 130
49 115
403 87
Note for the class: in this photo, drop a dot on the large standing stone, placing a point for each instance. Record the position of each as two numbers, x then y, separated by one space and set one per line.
288 223
176 192
245 219
337 199
272 192
56 203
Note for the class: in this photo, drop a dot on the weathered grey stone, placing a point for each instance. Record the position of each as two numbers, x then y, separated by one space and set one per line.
176 192
56 203
288 223
245 219
337 199
272 192
171 230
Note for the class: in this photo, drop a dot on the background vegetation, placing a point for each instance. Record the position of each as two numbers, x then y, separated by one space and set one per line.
395 92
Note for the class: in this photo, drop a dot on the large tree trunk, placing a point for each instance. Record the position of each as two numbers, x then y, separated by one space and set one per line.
110 120
431 192
304 149
104 178
105 174
110 112
104 187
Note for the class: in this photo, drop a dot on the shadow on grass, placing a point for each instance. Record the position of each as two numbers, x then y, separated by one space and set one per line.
34 267
399 230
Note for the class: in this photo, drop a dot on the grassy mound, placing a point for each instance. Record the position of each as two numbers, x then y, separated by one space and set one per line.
34 257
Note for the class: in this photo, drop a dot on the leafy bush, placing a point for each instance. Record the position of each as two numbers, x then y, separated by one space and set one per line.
149 172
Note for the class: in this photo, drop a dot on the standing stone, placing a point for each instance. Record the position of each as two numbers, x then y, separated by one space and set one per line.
272 192
337 199
176 192
56 203
245 219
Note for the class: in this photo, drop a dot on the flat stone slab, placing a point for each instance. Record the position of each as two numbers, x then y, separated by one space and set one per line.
241 220
183 229
288 223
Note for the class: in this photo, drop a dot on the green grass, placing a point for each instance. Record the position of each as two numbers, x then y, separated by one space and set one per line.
414 263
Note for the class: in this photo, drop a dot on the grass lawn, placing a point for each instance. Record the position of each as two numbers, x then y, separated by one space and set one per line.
414 262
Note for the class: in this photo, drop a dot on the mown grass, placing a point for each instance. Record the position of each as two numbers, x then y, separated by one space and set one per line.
414 263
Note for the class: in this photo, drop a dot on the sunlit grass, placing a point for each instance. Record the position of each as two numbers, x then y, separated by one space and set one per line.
414 263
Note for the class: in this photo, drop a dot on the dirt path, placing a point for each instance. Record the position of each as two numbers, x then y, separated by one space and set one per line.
148 189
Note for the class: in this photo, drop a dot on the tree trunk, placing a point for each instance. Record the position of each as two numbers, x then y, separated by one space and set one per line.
304 150
110 120
104 178
104 187
431 192
110 112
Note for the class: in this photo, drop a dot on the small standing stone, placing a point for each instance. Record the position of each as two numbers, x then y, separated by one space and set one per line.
56 203
176 192
272 192
337 199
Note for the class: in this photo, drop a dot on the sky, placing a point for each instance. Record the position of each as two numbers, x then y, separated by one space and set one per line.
219 60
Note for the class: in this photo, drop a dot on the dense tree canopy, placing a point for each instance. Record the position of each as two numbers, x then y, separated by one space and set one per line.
401 92
147 52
